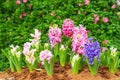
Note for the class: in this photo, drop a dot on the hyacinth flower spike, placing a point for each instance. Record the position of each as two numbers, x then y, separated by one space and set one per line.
77 63
63 55
36 38
29 54
14 57
68 27
35 42
54 36
78 42
92 53
47 60
67 32
113 60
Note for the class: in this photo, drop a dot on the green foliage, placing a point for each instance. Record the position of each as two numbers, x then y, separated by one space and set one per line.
15 30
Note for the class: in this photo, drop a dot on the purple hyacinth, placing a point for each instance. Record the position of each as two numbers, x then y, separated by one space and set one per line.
92 50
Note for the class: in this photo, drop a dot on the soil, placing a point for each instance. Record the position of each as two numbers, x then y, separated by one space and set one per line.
60 73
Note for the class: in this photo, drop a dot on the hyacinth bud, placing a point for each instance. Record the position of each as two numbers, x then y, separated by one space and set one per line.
68 28
74 59
18 54
54 35
45 55
62 47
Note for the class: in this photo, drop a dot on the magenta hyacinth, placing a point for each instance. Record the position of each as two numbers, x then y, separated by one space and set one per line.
79 40
68 28
46 54
54 35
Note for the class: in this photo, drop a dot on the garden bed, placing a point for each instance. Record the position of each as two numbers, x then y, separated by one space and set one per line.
61 73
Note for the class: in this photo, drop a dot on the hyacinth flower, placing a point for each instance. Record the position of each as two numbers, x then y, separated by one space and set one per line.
54 36
47 60
63 55
78 42
35 42
76 63
36 38
14 57
29 56
68 28
92 53
113 60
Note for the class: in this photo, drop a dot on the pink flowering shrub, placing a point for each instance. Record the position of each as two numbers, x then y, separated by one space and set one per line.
68 27
87 2
105 19
96 18
18 2
113 6
79 40
25 1
29 53
54 35
46 54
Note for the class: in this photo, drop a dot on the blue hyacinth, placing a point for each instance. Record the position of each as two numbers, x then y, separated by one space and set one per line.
92 50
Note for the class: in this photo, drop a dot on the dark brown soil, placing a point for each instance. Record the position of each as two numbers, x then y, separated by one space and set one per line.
60 73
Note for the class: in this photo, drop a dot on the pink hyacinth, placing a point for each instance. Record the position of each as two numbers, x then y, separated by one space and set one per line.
105 19
29 53
18 2
87 2
45 55
68 28
96 18
79 40
25 1
54 35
